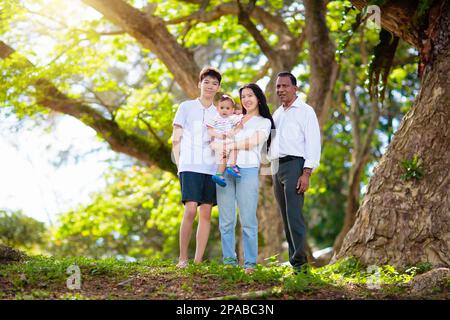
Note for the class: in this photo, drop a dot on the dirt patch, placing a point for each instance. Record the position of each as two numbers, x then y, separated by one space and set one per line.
173 286
8 255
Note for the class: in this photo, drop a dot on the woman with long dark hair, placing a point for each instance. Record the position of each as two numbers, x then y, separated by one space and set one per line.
243 191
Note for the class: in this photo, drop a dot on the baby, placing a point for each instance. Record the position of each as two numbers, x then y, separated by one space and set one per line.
222 128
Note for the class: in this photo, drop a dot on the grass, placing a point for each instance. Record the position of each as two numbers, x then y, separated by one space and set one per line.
42 277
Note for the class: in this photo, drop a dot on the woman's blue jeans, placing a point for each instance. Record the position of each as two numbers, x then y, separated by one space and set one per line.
243 192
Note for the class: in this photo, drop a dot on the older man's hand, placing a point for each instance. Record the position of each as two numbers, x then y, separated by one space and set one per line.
303 183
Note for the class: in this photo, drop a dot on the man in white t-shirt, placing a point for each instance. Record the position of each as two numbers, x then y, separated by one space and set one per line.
295 153
196 163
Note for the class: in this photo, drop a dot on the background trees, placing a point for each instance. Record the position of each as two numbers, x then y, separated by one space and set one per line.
122 68
19 231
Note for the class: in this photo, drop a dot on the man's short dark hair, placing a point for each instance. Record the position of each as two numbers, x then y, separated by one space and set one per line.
210 72
288 74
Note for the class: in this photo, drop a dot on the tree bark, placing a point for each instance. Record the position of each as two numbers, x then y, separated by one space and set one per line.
405 222
397 17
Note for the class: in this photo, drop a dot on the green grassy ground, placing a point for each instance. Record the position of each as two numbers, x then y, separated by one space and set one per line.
41 277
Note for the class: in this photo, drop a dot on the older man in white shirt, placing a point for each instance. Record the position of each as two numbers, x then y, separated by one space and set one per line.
294 153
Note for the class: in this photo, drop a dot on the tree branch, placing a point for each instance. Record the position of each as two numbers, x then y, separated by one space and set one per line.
119 140
151 32
110 33
272 23
405 60
262 73
150 128
243 17
300 41
396 17
99 100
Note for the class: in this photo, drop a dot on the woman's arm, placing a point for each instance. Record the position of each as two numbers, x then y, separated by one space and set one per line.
248 143
235 130
213 133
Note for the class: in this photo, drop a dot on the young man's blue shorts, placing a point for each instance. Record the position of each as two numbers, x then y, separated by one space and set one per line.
197 187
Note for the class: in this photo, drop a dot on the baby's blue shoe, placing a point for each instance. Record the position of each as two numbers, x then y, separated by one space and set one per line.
219 179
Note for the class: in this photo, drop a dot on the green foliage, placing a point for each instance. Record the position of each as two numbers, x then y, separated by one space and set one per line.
302 283
350 22
74 296
20 231
350 270
325 201
345 271
46 271
15 91
138 215
420 268
345 267
39 276
413 168
10 11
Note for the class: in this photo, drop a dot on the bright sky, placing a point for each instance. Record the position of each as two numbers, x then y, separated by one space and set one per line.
30 182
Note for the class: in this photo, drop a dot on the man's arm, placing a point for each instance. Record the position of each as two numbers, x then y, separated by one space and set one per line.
177 134
303 180
312 150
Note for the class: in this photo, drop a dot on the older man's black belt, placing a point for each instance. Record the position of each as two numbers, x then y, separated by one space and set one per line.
288 158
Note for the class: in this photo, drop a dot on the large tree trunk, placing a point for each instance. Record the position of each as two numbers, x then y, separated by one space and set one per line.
407 222
324 69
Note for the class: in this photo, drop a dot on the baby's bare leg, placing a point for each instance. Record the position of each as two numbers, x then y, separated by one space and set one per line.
221 168
232 156
221 160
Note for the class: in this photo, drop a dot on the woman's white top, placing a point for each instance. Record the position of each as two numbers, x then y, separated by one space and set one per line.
252 158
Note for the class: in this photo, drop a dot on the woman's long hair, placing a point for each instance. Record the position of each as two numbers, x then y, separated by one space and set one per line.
262 106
